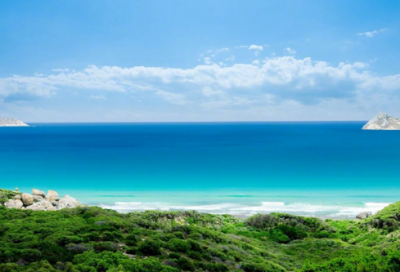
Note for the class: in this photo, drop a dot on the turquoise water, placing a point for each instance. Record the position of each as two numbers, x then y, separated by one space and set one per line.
328 169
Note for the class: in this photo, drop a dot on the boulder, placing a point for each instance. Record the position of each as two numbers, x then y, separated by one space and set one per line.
27 199
37 198
18 197
364 215
41 206
52 196
68 202
38 193
14 203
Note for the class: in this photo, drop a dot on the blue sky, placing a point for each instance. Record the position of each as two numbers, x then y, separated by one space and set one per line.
225 60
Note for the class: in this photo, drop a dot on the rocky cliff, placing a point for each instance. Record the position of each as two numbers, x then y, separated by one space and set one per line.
383 122
11 122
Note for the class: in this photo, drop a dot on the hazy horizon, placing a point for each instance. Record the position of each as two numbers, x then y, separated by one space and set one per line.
187 122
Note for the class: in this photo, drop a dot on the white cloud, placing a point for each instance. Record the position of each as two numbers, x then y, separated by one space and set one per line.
207 60
290 51
256 47
224 49
274 81
371 34
174 98
230 58
61 70
251 47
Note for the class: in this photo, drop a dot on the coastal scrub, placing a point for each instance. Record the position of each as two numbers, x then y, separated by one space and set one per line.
94 239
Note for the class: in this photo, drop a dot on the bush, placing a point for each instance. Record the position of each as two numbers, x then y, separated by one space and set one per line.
131 239
278 236
174 255
179 245
185 264
150 247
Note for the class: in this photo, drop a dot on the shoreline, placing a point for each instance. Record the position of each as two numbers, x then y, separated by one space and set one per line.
348 213
240 206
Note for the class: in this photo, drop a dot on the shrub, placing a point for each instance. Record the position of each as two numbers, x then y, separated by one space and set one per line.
131 239
179 245
278 236
150 247
174 255
185 264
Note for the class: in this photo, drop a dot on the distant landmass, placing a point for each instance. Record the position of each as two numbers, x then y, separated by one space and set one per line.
383 122
11 122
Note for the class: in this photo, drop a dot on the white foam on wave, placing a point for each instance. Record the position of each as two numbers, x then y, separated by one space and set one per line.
306 209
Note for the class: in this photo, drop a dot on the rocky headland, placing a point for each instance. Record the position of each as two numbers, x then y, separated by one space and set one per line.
37 201
382 121
11 122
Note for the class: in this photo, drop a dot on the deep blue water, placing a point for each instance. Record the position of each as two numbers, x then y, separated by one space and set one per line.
205 163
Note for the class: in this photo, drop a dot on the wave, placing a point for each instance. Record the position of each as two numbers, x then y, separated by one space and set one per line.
306 209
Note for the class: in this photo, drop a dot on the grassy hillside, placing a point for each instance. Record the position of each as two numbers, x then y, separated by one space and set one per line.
94 239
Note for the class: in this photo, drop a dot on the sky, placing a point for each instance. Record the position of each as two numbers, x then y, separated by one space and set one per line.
188 61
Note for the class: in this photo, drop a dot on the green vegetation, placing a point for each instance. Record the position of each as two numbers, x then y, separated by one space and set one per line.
6 194
90 239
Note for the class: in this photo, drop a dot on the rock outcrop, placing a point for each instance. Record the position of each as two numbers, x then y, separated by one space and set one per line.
38 201
27 199
68 202
364 215
383 122
42 206
38 193
18 197
52 196
11 122
37 198
14 204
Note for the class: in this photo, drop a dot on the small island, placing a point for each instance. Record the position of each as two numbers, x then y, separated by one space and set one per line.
11 122
383 121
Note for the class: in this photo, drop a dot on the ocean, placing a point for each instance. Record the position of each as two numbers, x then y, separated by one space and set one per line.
324 169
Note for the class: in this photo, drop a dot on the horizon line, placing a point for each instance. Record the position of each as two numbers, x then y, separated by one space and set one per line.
188 122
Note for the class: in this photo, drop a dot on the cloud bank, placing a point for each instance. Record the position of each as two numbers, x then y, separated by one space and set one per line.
284 81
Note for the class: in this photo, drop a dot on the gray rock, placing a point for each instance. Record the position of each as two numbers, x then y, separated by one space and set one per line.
41 206
68 202
364 215
38 193
27 199
52 196
14 204
383 122
18 197
37 198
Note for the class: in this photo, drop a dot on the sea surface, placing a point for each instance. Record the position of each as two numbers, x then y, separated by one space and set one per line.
324 169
